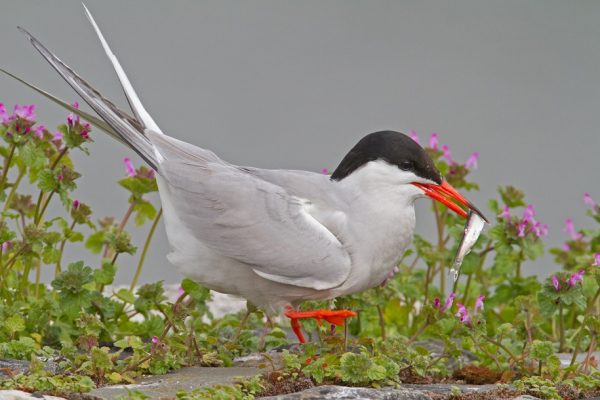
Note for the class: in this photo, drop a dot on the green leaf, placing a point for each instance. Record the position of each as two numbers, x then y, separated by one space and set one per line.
125 295
194 290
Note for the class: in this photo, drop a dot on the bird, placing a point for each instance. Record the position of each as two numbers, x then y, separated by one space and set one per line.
275 237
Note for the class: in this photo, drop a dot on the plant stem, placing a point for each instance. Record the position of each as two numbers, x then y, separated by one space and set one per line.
561 322
43 210
122 224
6 167
467 286
13 190
503 347
36 216
58 269
138 270
418 333
381 321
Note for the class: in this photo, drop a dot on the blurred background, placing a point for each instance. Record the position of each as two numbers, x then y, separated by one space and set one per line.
294 84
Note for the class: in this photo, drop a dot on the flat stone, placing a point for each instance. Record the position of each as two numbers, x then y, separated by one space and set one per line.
161 386
444 388
352 393
19 395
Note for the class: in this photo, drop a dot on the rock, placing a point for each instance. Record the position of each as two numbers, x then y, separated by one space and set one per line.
444 388
258 360
165 386
527 397
565 358
19 395
9 367
352 393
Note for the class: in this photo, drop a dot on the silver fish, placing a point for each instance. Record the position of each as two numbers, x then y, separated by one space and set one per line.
473 228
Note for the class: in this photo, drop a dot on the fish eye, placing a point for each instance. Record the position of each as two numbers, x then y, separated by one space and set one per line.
406 165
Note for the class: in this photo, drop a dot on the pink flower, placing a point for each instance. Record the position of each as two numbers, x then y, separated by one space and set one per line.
449 301
85 134
505 214
180 291
555 283
472 161
6 245
576 277
76 104
70 119
325 171
463 314
596 260
129 168
566 247
25 112
436 302
413 135
60 177
3 114
529 214
75 204
588 201
570 230
446 154
154 339
58 136
540 229
478 304
521 228
38 131
433 141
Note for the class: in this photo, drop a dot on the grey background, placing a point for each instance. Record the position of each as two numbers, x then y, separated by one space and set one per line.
294 84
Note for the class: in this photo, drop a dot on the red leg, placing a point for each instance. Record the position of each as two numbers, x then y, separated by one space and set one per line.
336 317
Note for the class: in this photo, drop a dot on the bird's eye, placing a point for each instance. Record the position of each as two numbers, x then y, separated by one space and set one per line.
406 165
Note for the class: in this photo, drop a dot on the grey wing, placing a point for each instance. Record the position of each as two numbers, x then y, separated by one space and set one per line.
243 217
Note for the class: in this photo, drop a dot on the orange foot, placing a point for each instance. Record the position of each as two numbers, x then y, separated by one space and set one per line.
336 317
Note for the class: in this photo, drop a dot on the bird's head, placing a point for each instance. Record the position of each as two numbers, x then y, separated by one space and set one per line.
405 162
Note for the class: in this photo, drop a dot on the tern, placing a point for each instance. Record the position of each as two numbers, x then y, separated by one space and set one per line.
275 237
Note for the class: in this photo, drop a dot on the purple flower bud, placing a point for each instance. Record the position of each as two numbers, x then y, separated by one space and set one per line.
472 161
25 112
566 247
521 228
478 304
85 134
129 168
529 214
570 230
58 136
3 114
76 104
433 141
596 260
413 135
60 177
588 201
75 204
6 245
505 214
180 291
540 229
325 171
449 301
70 118
155 339
436 302
39 131
576 277
555 283
463 314
447 155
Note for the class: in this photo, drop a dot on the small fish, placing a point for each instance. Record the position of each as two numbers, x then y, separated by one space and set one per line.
473 228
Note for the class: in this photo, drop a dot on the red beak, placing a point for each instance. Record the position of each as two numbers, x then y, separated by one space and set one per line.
448 196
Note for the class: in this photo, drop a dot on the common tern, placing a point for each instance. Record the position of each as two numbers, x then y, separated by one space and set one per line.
276 237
